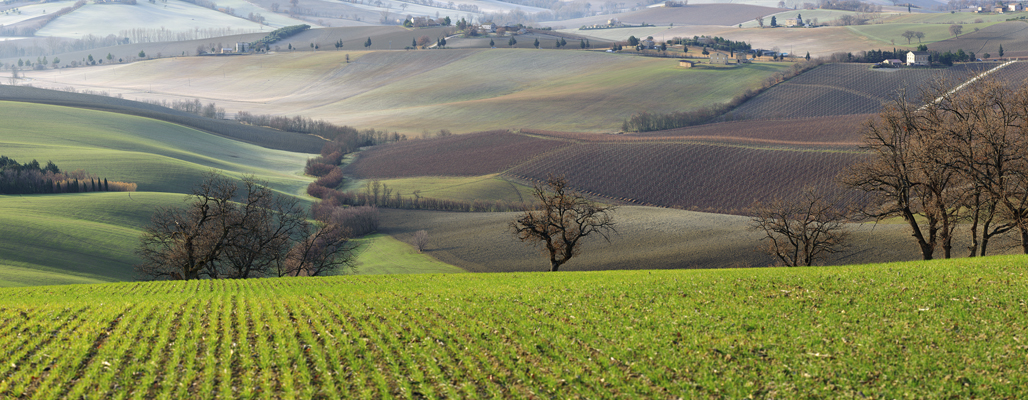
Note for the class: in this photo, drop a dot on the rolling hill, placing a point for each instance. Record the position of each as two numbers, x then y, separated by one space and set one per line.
416 91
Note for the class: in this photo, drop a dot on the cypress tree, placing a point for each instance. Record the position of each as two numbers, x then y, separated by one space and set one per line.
76 188
108 188
57 187
92 185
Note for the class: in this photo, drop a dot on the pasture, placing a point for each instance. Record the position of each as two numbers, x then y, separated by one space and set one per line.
417 91
28 11
918 329
383 254
890 34
692 14
1013 36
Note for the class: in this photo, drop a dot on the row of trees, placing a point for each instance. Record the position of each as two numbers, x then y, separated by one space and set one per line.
31 178
958 156
346 138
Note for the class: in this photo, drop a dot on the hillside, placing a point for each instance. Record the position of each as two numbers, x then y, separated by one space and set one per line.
1013 36
920 329
416 91
845 89
692 14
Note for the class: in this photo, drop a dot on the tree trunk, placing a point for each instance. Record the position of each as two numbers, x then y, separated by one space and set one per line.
926 249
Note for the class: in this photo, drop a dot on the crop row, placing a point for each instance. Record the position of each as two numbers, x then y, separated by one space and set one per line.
921 331
708 177
462 155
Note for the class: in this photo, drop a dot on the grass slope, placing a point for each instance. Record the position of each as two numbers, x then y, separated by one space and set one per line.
178 16
944 329
416 91
73 238
159 156
383 254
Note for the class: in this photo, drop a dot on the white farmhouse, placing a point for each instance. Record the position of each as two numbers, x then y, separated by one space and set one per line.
917 58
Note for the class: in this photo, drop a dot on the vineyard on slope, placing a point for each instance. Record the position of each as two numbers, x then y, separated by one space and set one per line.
843 89
945 329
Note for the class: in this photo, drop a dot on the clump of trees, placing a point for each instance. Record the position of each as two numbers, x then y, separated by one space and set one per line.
564 218
803 230
210 110
232 232
32 178
349 138
958 156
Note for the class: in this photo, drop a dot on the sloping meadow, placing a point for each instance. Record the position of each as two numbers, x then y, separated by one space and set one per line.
950 328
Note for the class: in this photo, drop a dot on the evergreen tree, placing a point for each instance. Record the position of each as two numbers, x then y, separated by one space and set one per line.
367 44
57 188
1001 50
106 188
536 43
563 42
414 43
491 44
808 56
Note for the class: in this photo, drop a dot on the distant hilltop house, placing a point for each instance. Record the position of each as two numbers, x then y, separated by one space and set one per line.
241 47
893 61
1016 7
798 21
488 27
719 58
917 58
613 22
685 63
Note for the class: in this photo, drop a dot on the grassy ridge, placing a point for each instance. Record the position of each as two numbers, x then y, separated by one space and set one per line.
90 236
159 156
918 330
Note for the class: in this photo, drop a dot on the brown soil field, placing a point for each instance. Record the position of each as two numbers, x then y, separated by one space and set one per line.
649 238
1013 36
460 155
843 89
692 14
696 176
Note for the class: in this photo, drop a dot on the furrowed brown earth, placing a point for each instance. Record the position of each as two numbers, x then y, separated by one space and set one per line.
843 89
1013 36
721 167
460 155
696 176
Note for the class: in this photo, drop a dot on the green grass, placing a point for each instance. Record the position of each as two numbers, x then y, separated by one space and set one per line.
158 156
886 33
88 235
942 329
382 254
490 187
17 276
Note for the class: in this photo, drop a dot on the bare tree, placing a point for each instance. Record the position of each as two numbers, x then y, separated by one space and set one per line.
420 240
564 217
259 235
919 35
955 29
908 35
801 231
760 21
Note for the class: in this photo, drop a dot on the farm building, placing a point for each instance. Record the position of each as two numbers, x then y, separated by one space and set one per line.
1016 7
917 58
489 27
719 58
685 63
893 61
798 21
241 47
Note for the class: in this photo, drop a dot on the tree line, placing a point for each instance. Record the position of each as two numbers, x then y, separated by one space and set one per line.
279 34
32 178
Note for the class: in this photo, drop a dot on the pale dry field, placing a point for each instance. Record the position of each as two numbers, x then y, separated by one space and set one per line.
649 238
426 90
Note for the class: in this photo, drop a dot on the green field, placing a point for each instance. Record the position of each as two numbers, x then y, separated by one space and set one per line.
382 254
943 329
934 32
158 156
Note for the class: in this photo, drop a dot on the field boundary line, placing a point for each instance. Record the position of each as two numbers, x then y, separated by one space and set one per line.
970 81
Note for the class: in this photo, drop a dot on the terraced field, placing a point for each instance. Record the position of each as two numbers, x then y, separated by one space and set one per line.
924 329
